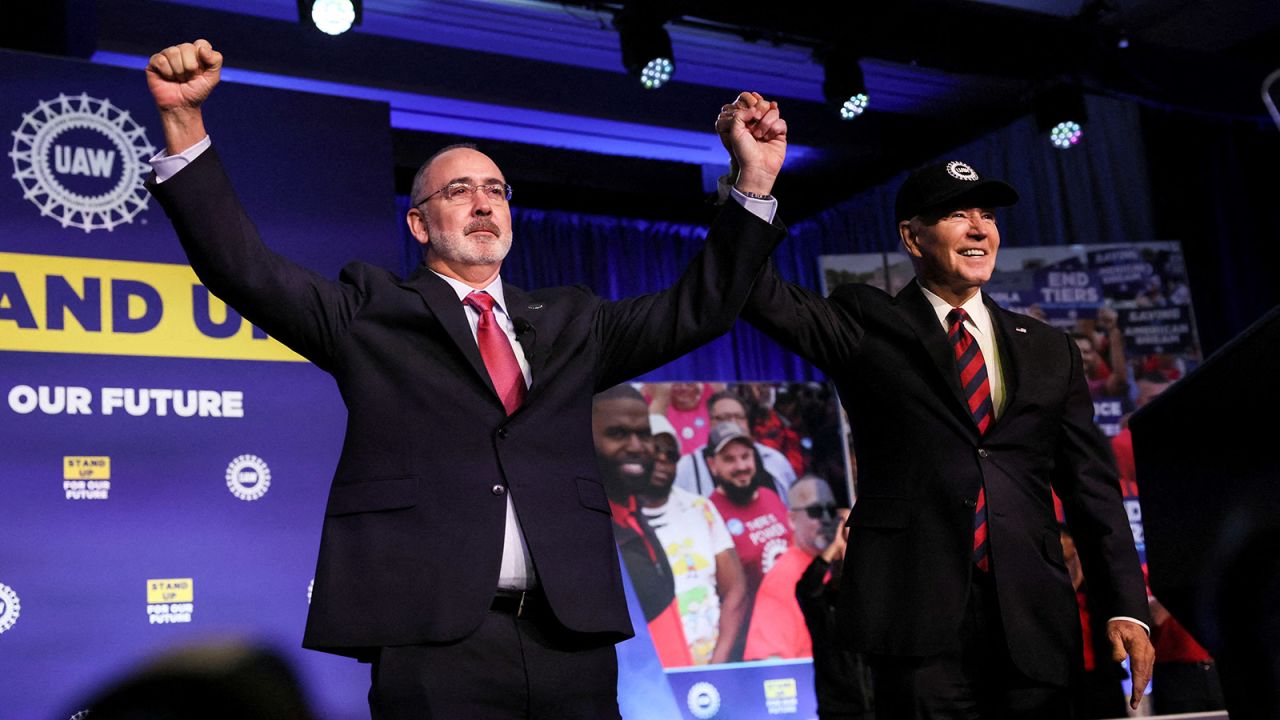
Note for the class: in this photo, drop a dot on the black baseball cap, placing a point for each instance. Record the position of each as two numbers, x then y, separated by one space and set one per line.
936 187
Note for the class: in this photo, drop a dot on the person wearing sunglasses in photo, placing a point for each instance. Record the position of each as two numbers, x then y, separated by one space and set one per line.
777 626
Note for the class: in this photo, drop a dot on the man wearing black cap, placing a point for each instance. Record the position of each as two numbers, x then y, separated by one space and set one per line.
964 417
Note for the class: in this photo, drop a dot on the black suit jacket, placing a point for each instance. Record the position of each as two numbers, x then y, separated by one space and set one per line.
413 529
921 462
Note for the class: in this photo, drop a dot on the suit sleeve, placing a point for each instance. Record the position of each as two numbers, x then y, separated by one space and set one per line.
301 309
1086 482
638 334
824 331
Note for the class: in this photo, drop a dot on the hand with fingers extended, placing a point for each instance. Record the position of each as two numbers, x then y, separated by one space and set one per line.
753 131
180 78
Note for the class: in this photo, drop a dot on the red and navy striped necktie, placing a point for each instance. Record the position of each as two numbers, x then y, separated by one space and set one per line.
977 393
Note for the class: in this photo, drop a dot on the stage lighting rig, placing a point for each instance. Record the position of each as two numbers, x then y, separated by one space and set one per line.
843 84
332 17
1060 112
646 46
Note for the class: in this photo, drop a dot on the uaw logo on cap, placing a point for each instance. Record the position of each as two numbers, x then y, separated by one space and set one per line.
703 700
961 171
248 477
10 607
81 161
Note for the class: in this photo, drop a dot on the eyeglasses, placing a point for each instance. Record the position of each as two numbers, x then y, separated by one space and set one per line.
816 512
459 193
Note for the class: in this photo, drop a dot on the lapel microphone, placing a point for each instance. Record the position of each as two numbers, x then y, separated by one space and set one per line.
524 327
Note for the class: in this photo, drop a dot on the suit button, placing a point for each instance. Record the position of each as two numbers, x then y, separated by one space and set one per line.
971 504
502 433
982 452
498 490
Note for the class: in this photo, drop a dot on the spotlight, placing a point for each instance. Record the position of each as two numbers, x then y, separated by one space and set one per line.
646 46
854 106
332 17
1065 134
1060 112
843 84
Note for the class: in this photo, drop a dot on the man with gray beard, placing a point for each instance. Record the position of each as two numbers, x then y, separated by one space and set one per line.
467 550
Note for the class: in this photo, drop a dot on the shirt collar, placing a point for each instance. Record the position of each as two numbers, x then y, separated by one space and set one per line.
463 290
979 316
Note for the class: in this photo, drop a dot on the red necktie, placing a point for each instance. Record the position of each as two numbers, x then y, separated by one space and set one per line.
495 350
977 392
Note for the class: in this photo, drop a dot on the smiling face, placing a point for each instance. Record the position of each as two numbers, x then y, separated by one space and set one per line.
954 254
735 464
464 240
624 445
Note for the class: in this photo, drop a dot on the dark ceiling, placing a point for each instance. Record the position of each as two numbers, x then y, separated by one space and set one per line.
946 72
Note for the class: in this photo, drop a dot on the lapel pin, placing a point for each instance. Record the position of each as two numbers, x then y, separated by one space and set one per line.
1020 329
536 306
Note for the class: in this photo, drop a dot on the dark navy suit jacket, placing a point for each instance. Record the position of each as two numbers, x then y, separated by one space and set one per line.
413 529
921 462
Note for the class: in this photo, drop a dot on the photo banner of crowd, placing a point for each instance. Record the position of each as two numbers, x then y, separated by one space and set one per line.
725 497
165 464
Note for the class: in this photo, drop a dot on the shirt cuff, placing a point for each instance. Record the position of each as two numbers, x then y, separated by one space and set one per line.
763 209
1132 620
166 166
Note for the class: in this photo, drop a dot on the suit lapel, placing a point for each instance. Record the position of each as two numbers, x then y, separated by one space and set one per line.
443 303
1011 339
922 320
533 334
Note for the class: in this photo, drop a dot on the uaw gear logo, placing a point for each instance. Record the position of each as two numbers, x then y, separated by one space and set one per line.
248 477
81 161
961 171
703 700
10 607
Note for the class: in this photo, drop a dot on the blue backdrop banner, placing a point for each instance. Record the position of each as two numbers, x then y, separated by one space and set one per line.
164 464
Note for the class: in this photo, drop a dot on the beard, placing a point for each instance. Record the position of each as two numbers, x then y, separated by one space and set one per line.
467 250
661 479
650 491
620 485
736 494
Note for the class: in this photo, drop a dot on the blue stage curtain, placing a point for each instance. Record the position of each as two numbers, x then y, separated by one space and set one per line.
1094 193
